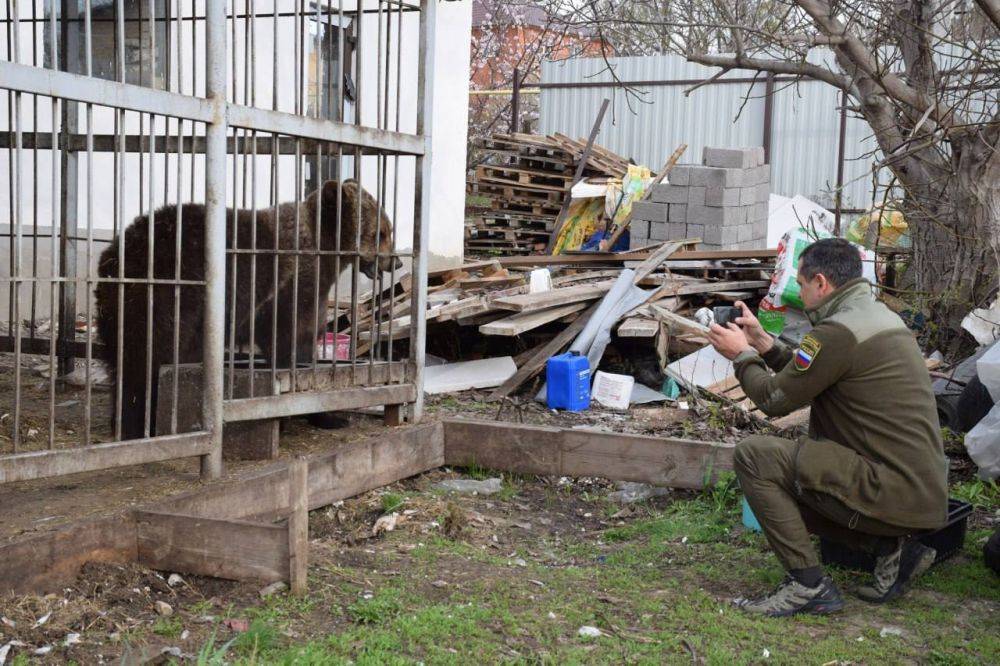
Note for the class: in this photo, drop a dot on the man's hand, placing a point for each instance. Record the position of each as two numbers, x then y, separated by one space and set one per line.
758 338
729 341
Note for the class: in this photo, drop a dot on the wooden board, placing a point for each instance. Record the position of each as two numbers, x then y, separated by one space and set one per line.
553 297
526 321
528 449
351 469
49 561
231 549
638 327
620 257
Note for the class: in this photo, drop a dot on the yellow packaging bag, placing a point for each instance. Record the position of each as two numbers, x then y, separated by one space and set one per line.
893 230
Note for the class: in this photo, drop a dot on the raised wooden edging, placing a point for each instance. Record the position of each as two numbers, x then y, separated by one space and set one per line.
531 449
231 530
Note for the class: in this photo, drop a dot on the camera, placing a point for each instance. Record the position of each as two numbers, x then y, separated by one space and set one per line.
726 314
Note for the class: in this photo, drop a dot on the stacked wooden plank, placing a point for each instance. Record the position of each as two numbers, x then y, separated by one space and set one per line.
524 186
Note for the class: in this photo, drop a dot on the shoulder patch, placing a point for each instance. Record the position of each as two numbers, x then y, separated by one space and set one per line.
807 352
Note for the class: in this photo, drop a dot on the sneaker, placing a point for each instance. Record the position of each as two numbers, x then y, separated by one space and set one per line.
793 597
893 572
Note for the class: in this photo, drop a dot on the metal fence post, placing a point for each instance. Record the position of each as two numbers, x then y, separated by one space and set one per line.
425 111
215 236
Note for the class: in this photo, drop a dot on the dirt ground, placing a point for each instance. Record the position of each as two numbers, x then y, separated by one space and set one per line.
513 577
510 577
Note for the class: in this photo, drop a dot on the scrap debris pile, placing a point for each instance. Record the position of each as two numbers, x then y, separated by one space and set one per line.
474 312
525 186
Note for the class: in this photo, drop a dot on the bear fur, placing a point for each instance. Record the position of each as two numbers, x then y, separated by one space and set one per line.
256 286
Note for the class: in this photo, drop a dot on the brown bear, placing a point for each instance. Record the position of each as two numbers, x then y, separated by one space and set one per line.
256 286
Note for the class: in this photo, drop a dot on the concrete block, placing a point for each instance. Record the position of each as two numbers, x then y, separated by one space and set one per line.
696 230
719 235
635 242
659 231
707 176
639 228
757 175
748 196
711 247
673 194
762 193
705 215
733 158
676 230
722 196
680 174
745 232
760 229
734 215
696 195
760 211
677 213
648 210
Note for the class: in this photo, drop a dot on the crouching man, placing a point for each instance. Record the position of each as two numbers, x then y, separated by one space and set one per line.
872 473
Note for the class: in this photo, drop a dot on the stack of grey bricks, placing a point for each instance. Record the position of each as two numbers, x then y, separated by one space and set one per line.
723 202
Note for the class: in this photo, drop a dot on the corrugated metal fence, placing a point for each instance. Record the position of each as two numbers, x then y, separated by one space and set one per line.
804 120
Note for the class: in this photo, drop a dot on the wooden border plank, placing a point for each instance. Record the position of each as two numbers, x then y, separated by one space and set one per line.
352 469
47 562
231 549
298 525
528 449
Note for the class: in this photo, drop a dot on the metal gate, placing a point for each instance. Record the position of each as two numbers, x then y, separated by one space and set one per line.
206 202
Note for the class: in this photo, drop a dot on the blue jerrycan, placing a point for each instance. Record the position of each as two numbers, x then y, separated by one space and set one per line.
567 378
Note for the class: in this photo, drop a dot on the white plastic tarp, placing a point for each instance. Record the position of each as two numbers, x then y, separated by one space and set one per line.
983 441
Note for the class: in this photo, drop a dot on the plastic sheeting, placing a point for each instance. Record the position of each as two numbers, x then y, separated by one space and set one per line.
623 297
983 441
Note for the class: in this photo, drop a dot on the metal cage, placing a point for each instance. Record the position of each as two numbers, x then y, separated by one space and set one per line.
213 203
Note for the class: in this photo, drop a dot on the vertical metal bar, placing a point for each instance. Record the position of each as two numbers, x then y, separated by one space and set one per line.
119 189
356 263
215 237
178 238
425 108
841 149
88 70
34 171
56 189
69 36
395 173
150 274
767 137
15 247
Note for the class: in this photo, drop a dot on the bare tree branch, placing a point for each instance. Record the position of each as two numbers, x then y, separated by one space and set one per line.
803 69
992 10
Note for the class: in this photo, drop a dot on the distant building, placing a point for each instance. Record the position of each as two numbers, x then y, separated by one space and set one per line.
505 37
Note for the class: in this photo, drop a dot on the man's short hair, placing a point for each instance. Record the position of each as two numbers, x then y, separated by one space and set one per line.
835 258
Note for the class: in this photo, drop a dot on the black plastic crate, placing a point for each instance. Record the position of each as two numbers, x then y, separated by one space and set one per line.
946 541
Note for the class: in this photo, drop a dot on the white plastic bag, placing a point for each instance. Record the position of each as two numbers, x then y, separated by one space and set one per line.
988 368
983 444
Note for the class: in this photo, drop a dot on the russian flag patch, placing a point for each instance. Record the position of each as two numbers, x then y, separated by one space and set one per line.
806 353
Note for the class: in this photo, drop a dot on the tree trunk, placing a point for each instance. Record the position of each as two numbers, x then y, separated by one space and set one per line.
954 271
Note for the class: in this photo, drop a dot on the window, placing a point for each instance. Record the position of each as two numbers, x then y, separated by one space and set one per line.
141 67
